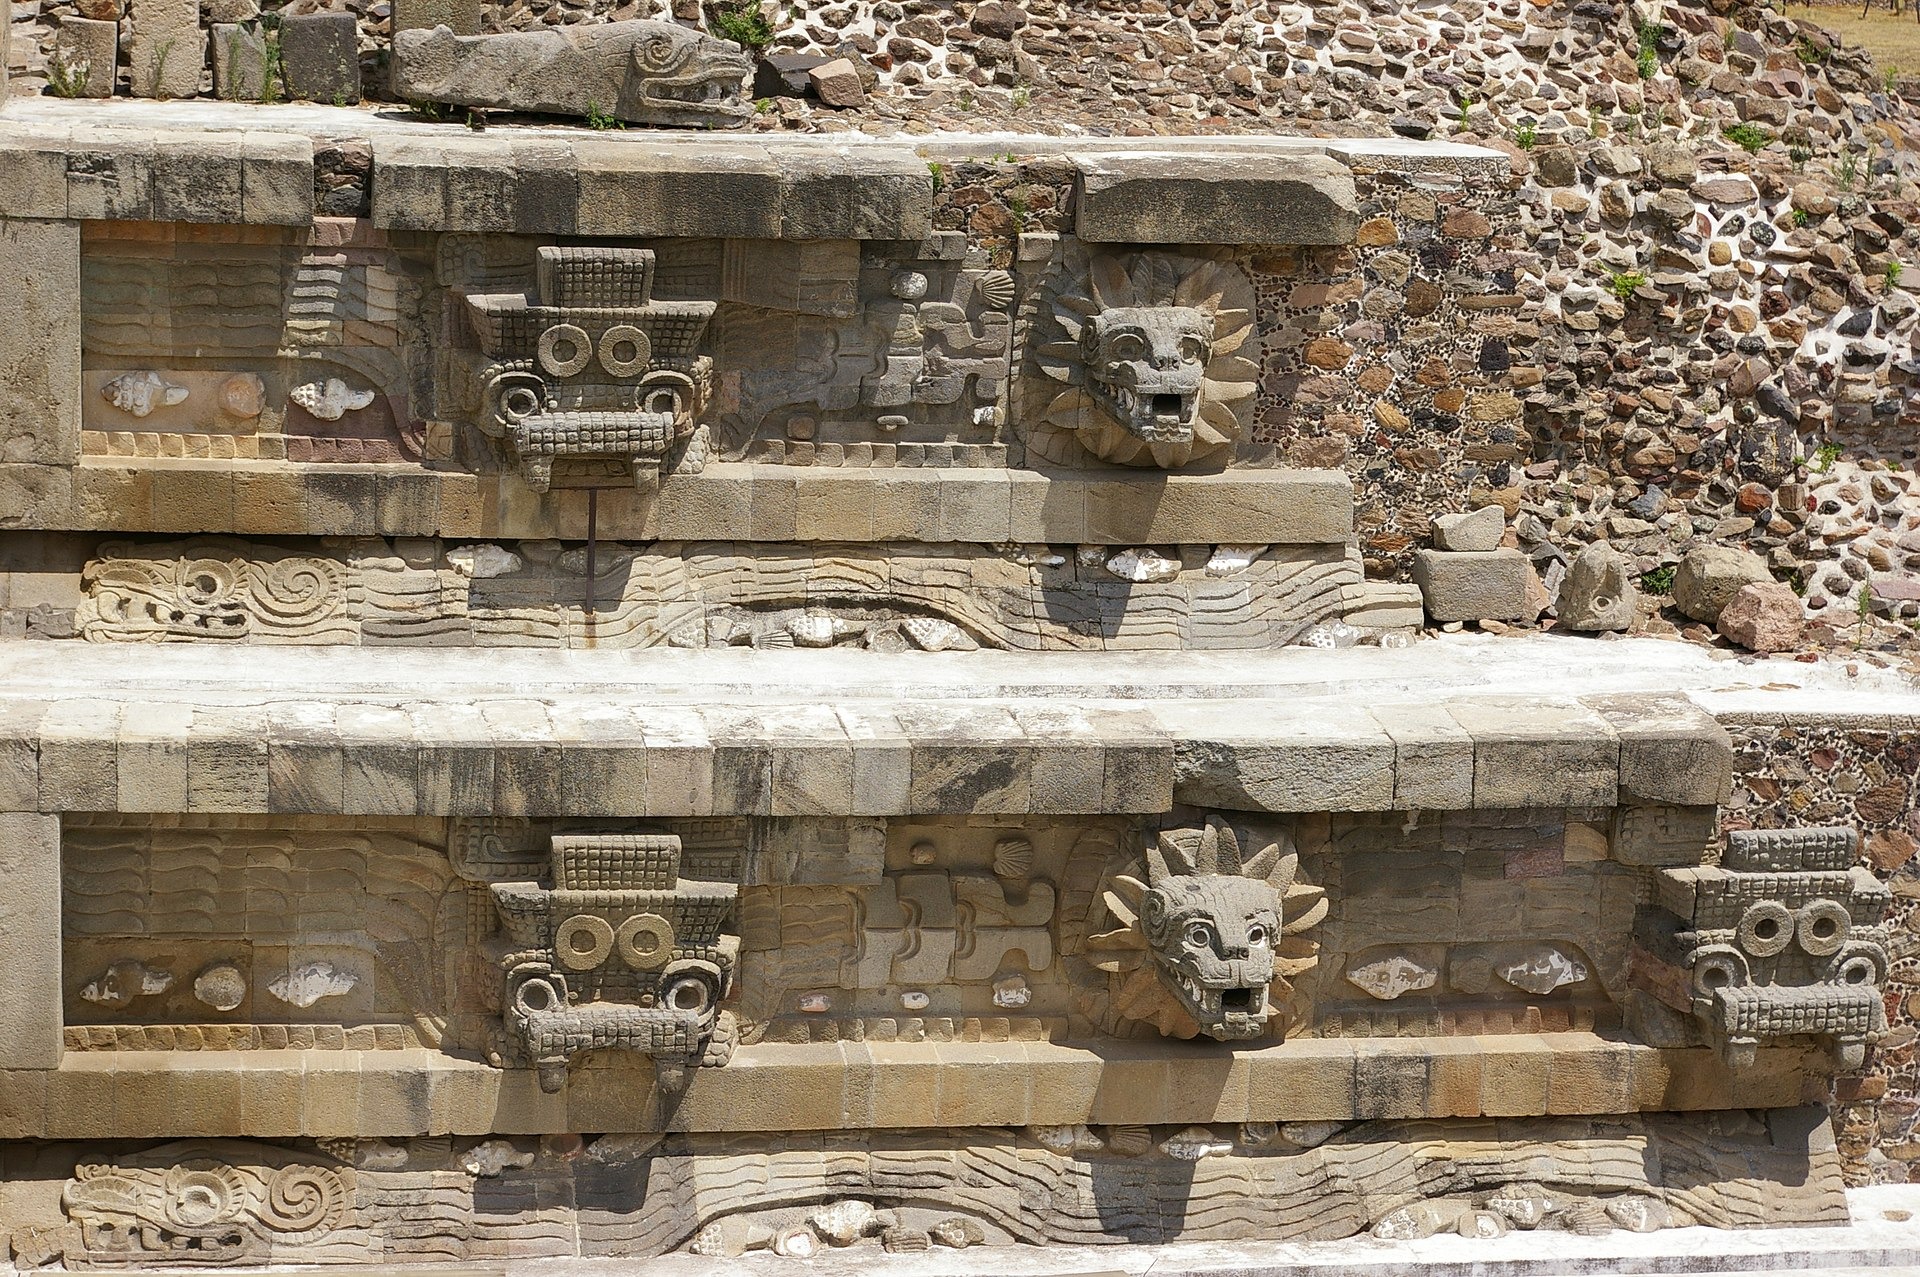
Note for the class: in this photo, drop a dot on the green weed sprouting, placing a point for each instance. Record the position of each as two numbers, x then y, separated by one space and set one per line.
1625 283
1648 58
66 79
742 23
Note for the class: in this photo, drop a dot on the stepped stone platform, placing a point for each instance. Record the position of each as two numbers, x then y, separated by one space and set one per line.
967 859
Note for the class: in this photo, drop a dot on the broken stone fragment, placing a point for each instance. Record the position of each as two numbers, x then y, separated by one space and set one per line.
331 399
1393 976
167 48
837 84
784 75
1763 618
124 981
1710 575
140 393
1598 593
640 72
1488 585
1476 531
1143 566
320 56
239 69
492 1157
309 982
88 48
1541 970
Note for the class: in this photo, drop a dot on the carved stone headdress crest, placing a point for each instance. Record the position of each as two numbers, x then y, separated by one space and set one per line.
1149 345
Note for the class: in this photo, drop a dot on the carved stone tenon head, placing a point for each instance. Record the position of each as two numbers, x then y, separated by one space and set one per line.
1221 931
1145 364
1151 346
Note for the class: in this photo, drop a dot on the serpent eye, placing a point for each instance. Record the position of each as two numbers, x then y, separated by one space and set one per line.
657 52
1256 935
1199 935
1193 349
1128 346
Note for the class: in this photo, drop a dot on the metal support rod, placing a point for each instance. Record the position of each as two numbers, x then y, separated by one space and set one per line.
593 531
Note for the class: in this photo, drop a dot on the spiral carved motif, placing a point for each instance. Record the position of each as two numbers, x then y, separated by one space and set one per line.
292 590
305 1200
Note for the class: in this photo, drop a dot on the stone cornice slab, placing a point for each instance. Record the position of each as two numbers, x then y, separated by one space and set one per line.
728 501
253 164
902 1085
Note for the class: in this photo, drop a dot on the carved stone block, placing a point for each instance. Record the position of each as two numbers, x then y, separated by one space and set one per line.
89 49
641 72
321 56
588 365
1782 939
619 952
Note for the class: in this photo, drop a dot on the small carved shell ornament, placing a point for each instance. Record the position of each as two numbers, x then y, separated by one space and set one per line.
331 399
139 393
1152 349
1206 941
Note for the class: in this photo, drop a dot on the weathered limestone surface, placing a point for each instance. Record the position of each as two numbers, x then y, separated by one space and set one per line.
29 913
643 72
168 50
320 55
1709 576
1231 200
1524 753
1472 585
39 347
89 48
239 62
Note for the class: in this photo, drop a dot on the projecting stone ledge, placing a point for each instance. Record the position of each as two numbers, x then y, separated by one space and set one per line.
787 733
251 163
728 501
1225 199
902 1085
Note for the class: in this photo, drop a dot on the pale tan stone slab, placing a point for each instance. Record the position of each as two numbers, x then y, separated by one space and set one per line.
1671 751
1231 199
1280 756
39 343
30 1014
151 763
77 768
929 1085
1539 753
1433 757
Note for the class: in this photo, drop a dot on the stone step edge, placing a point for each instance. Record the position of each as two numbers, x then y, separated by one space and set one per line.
413 755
